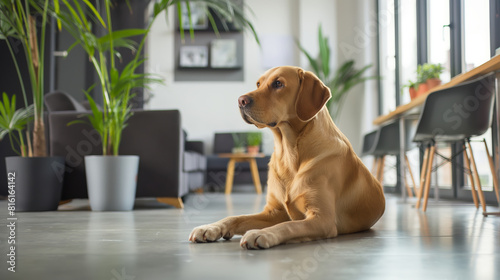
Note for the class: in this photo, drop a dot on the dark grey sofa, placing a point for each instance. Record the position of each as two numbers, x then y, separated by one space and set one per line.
217 166
169 165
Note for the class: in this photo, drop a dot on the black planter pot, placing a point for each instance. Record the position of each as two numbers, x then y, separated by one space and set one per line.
37 182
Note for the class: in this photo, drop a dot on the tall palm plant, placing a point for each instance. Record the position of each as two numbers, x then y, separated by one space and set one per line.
116 86
18 21
340 82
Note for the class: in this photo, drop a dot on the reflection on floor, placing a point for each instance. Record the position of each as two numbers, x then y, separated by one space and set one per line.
450 241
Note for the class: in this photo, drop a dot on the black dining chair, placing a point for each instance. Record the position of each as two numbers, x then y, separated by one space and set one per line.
369 142
453 115
386 141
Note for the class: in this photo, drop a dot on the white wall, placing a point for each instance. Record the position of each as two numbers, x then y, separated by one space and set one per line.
356 39
208 107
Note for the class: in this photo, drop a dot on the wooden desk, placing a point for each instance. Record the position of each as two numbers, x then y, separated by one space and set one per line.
250 158
489 66
400 112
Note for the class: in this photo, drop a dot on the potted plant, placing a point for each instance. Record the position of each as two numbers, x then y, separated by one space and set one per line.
238 144
25 23
427 78
106 188
253 142
111 178
431 74
415 88
412 88
340 82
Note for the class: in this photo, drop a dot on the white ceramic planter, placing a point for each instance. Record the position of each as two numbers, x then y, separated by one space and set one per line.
111 182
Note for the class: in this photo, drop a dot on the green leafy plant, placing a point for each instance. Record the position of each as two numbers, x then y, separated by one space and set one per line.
428 71
424 72
410 84
341 81
254 138
18 20
116 86
102 51
13 122
238 142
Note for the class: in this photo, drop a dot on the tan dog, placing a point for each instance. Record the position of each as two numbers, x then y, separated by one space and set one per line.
318 187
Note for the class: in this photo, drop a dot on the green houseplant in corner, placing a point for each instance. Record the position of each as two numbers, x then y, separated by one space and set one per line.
341 81
24 23
116 87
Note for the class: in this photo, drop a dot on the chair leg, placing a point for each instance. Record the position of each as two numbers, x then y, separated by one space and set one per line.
375 165
377 168
381 170
408 189
411 176
476 177
428 177
471 178
422 176
493 173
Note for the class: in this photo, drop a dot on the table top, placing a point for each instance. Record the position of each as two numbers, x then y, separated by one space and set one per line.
241 155
489 66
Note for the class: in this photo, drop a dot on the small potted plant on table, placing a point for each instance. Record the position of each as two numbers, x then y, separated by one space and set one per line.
253 141
238 144
431 73
427 79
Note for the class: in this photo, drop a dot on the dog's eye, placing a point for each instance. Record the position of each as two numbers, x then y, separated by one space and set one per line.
258 84
277 84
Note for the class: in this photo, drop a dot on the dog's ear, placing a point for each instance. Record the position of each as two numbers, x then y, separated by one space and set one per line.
312 96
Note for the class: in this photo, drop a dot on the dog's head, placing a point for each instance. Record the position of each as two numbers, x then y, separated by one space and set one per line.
283 94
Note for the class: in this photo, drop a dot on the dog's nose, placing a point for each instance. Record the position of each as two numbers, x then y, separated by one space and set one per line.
244 101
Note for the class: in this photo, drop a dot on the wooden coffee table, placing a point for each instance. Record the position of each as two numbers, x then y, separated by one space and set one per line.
250 158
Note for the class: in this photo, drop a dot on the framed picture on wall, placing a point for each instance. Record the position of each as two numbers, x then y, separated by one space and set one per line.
193 57
223 53
198 15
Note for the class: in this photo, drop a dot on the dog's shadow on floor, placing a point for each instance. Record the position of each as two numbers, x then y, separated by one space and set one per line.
341 239
310 245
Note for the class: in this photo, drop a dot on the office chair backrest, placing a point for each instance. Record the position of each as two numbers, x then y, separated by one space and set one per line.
458 112
369 142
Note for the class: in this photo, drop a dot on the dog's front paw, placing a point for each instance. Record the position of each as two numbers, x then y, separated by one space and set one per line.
259 239
208 233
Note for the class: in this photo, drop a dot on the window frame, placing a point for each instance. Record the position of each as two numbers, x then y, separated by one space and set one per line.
456 59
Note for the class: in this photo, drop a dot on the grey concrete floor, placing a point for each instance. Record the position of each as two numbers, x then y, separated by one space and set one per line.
450 241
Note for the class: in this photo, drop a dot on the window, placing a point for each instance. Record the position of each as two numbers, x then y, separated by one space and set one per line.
408 44
456 35
387 55
476 33
438 22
